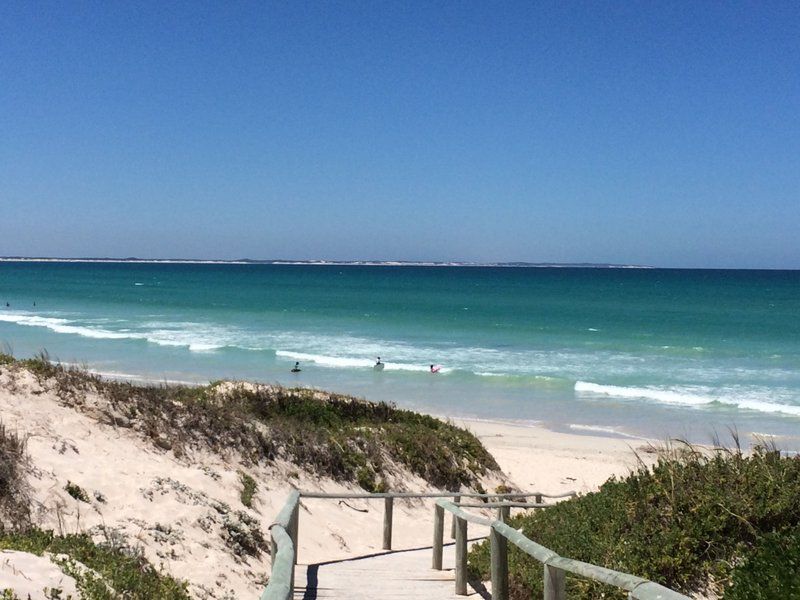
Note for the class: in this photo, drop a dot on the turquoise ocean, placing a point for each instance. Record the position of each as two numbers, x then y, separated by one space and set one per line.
630 352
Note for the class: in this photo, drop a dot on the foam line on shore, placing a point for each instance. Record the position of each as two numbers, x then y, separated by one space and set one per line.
598 429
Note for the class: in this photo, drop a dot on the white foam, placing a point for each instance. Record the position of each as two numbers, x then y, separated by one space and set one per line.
350 362
197 339
63 326
767 407
688 398
666 396
601 429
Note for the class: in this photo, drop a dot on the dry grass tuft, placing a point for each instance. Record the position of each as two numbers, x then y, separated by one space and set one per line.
15 501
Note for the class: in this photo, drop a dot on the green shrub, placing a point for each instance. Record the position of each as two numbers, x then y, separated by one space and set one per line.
342 437
128 574
771 572
249 489
76 491
683 523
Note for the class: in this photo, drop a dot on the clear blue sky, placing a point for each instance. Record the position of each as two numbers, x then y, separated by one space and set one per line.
663 133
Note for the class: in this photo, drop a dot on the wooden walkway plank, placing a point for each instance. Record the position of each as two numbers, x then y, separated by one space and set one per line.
400 574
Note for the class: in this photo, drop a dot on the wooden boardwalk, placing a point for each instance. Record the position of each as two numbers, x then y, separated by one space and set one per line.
387 575
409 573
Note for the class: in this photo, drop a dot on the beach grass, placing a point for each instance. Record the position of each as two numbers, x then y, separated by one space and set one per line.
15 511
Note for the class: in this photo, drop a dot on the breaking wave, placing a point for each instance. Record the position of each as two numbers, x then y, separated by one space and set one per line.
686 397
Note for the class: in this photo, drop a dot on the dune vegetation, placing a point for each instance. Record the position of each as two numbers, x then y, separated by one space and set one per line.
102 571
332 435
719 524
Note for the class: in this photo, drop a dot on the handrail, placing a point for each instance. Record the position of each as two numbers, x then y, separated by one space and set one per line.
461 514
283 549
487 505
432 495
281 584
285 516
555 566
284 534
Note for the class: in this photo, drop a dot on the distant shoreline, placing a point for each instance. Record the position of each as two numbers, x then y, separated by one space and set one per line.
334 263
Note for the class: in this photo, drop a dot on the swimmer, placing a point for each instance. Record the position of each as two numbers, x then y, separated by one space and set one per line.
378 365
435 368
296 368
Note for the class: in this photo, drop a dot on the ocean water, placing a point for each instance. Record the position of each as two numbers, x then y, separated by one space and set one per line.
630 352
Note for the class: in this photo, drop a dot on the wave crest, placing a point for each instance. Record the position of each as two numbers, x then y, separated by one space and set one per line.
685 398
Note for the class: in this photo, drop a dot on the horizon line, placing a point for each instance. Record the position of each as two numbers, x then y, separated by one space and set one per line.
320 262
371 263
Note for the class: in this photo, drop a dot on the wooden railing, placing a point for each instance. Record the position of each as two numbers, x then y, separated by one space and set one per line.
285 529
555 566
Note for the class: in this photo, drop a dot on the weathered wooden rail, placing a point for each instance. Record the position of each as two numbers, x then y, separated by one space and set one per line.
285 530
555 566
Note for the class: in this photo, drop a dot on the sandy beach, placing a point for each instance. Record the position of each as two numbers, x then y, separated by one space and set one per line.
179 511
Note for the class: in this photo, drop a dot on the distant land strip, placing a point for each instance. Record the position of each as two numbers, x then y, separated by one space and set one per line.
335 263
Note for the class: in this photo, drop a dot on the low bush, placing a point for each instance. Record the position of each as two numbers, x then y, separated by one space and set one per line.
342 437
249 489
686 523
113 572
771 571
76 492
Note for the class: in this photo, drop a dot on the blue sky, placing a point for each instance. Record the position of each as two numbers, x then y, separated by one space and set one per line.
629 132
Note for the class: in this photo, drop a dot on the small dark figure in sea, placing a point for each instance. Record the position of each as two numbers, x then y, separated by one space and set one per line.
296 368
378 365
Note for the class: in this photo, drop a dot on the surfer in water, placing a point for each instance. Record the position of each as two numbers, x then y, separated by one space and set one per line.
435 368
296 368
378 365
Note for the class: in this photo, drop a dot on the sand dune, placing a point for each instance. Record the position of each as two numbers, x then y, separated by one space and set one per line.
185 514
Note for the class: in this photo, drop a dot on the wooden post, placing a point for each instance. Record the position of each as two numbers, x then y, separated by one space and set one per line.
438 536
499 547
456 500
554 584
388 507
503 512
461 556
538 498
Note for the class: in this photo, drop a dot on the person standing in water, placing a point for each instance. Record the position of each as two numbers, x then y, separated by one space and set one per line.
378 365
296 368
